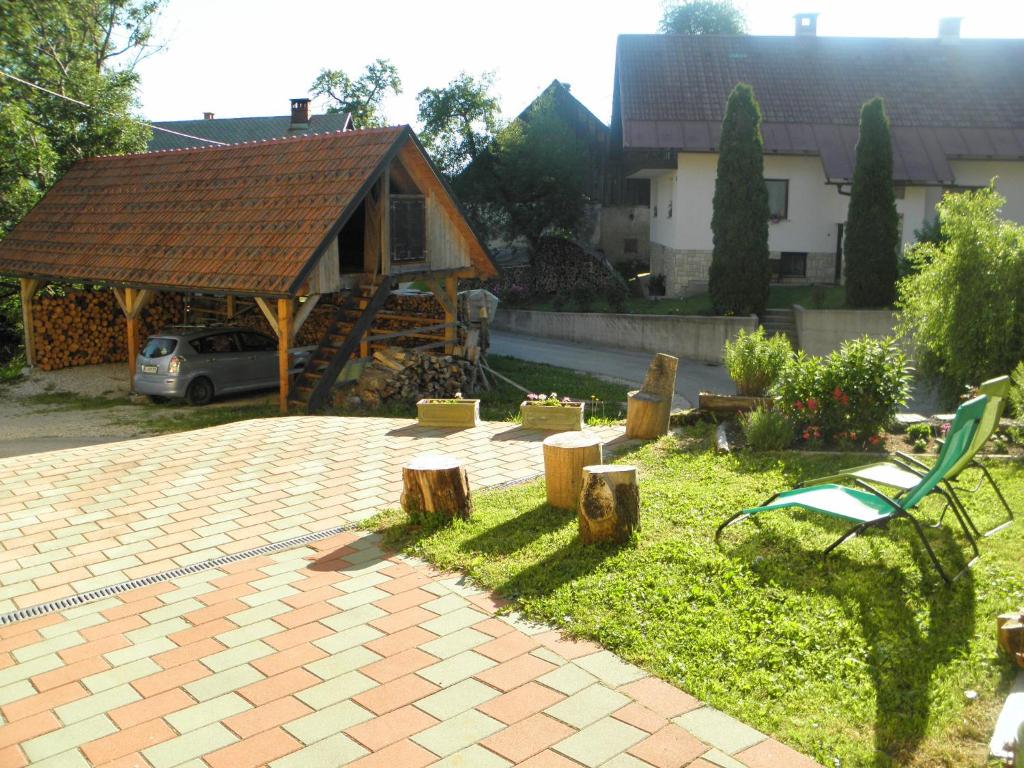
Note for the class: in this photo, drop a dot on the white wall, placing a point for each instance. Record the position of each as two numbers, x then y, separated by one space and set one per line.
815 207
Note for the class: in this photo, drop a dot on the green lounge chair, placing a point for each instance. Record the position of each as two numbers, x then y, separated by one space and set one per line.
905 471
866 506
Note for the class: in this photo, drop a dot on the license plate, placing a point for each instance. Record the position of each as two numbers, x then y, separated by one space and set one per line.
149 369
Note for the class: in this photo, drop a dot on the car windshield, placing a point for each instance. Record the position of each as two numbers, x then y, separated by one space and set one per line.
158 347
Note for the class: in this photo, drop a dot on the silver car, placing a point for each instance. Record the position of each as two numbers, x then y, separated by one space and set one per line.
200 362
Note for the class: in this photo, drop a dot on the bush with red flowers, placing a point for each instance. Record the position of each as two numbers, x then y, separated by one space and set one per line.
848 397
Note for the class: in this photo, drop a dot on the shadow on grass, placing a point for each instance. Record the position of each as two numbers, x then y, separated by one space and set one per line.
903 652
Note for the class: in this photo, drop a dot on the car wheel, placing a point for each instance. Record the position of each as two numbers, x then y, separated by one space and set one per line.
200 391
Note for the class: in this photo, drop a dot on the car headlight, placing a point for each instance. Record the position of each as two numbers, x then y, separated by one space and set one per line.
174 366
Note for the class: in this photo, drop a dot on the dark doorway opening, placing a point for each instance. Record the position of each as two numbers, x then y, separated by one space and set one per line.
350 242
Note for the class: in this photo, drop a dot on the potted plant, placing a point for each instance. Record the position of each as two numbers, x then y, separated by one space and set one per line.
549 412
448 412
754 362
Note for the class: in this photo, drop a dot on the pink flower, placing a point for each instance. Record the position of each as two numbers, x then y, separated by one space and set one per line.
812 404
798 405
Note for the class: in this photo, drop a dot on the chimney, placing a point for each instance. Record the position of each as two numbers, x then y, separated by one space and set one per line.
806 24
300 113
207 115
949 29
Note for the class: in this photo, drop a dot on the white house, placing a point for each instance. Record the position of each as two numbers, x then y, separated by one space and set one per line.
956 107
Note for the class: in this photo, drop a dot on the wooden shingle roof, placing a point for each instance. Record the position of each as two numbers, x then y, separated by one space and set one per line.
242 219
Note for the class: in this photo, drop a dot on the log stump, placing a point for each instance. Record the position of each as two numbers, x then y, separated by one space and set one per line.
565 455
436 484
649 408
609 506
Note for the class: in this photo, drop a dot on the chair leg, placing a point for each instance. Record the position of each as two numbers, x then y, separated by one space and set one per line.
954 502
739 517
962 518
999 493
848 535
930 551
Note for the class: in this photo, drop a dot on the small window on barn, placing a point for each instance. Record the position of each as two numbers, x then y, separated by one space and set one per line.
408 229
778 199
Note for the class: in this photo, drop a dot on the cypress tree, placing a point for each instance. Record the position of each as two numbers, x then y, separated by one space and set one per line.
739 276
872 225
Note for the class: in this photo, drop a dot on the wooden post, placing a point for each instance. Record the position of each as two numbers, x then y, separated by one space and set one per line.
436 485
648 410
132 301
231 307
451 333
28 289
284 334
609 508
565 455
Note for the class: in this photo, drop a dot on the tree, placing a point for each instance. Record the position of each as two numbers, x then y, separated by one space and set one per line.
459 121
82 49
872 236
361 97
739 276
533 176
703 17
963 307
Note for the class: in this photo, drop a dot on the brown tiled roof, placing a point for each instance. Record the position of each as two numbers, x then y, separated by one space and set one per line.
246 218
945 100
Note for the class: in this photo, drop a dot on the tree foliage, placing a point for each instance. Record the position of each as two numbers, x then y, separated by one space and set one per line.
361 97
872 232
739 275
83 49
459 121
964 306
532 179
703 17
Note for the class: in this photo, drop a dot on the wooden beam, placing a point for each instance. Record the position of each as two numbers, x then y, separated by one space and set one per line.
269 313
305 309
231 307
28 289
139 300
441 294
119 295
284 332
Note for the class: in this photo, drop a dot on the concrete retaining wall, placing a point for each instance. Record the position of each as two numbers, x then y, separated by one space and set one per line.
692 337
822 330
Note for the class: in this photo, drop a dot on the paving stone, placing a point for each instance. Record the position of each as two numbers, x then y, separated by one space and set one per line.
97 704
348 638
191 745
457 732
718 758
206 712
451 644
587 706
336 689
67 738
456 668
234 657
222 682
456 699
327 721
626 760
719 730
475 756
353 617
600 741
669 746
527 737
248 633
121 675
453 621
568 679
610 669
338 664
770 753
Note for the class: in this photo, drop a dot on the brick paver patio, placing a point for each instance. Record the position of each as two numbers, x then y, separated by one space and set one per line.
327 654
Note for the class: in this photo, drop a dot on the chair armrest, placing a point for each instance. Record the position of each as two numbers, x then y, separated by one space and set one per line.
871 489
911 460
902 464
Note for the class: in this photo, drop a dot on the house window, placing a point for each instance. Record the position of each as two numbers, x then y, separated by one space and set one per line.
793 264
408 229
778 199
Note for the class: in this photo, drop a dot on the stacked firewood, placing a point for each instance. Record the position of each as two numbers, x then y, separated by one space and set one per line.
402 375
1010 635
88 327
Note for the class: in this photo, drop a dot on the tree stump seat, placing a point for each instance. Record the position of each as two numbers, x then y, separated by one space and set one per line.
565 455
436 484
609 506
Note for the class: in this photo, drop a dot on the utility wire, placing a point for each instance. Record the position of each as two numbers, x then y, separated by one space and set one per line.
89 106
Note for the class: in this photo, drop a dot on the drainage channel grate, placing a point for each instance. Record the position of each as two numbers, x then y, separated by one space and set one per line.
126 586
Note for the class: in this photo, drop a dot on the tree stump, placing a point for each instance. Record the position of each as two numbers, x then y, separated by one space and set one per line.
609 507
565 455
649 408
436 484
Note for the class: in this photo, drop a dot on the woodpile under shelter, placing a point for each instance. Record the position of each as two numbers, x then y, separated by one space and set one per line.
281 231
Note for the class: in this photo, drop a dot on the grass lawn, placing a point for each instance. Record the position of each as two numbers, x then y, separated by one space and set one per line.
780 297
860 661
498 404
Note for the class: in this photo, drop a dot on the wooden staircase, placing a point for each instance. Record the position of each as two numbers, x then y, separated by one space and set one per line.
353 318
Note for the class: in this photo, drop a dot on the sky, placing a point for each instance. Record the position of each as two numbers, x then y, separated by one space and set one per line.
240 58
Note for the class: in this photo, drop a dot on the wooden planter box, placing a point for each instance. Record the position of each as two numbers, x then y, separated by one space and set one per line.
707 401
459 413
553 418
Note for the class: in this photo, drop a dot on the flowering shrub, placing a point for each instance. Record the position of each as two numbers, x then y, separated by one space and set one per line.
754 360
767 430
847 397
550 400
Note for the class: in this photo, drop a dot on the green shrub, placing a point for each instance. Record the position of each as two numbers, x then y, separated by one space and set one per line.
964 307
616 294
767 430
1017 390
917 432
583 298
920 446
848 396
656 285
754 360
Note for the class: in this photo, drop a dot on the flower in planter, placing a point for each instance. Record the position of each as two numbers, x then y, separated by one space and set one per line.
549 400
